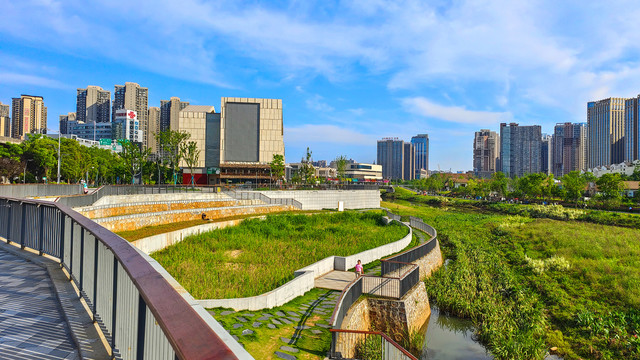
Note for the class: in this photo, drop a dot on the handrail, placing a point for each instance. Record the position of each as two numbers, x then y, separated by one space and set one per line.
187 333
381 334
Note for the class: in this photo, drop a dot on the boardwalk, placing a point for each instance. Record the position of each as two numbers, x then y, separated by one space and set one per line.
31 323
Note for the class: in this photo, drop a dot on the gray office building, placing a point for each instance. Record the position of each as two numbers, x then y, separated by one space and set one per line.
605 123
486 153
520 149
5 120
93 104
631 129
396 158
546 154
420 144
569 148
65 121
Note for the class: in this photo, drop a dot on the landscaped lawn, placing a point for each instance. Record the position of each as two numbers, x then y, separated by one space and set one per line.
259 255
530 284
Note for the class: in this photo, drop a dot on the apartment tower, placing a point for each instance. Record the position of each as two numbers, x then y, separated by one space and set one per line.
391 155
29 116
546 154
420 144
154 129
486 151
170 112
5 120
520 149
132 96
93 104
605 121
569 148
66 121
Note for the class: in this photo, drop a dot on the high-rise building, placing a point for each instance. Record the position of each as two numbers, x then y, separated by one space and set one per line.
420 144
631 129
132 96
170 112
520 149
546 154
93 104
486 152
65 120
605 123
409 172
394 157
569 148
154 129
5 120
193 120
29 116
126 126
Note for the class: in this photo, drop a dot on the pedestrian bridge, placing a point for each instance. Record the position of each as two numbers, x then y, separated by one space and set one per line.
71 289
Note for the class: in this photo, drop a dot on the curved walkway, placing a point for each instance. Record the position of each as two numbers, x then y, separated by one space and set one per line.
32 325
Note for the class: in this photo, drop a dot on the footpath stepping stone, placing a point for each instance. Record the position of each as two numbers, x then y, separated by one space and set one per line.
249 315
293 313
288 349
302 327
317 332
256 324
324 326
267 315
286 340
241 319
235 326
286 321
213 313
276 322
294 319
247 332
263 318
282 355
280 313
235 337
271 326
224 313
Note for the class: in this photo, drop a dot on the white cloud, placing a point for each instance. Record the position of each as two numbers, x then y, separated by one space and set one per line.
26 79
316 103
457 114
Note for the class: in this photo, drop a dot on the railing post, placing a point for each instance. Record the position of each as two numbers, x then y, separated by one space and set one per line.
114 307
62 235
10 220
81 261
334 341
40 229
142 317
24 211
95 279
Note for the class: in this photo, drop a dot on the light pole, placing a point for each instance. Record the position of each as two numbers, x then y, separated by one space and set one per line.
59 135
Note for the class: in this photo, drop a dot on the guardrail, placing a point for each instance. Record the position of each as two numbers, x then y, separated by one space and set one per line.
106 190
409 256
245 195
139 312
393 216
354 344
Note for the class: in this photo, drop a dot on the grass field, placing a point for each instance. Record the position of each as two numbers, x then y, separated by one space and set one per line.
530 284
259 255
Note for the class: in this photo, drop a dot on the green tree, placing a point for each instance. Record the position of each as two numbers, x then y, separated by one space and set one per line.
277 166
307 171
133 157
191 156
170 143
573 183
43 152
610 186
499 183
10 161
341 165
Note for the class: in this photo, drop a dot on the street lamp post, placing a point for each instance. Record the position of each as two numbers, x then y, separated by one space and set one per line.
24 178
59 135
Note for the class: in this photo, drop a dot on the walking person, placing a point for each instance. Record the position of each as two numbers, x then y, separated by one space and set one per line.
359 269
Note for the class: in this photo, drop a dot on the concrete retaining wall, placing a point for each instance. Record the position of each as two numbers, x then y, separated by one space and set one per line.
305 279
328 199
137 221
36 190
126 199
103 211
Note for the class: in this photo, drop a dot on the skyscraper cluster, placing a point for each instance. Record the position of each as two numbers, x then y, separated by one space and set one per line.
402 160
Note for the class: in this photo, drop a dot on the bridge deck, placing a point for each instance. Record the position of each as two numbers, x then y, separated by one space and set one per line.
31 323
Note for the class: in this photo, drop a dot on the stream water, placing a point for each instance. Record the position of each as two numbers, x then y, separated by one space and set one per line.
449 337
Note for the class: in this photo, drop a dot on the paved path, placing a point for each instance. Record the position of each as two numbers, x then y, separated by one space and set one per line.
335 280
31 323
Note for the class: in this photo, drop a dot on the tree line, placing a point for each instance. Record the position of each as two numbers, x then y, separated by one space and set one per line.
35 160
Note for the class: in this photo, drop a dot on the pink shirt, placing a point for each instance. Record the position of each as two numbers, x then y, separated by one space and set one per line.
358 268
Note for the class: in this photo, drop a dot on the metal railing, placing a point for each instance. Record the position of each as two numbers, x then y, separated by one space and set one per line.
107 190
251 195
409 256
393 216
354 344
141 315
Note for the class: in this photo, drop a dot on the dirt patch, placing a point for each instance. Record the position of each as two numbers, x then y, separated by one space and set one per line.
233 253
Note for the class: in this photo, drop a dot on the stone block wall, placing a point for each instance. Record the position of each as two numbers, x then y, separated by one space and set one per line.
430 262
141 198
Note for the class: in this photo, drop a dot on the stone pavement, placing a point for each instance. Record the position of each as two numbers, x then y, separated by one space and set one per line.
31 323
335 280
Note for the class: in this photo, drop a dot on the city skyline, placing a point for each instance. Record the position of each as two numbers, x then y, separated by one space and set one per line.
349 74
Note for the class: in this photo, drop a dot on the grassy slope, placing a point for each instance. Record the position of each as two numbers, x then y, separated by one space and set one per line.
259 255
584 310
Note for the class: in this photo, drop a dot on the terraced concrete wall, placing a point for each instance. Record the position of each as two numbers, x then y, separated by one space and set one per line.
96 212
127 199
329 199
137 221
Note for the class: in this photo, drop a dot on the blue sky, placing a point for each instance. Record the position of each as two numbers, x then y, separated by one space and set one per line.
349 72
